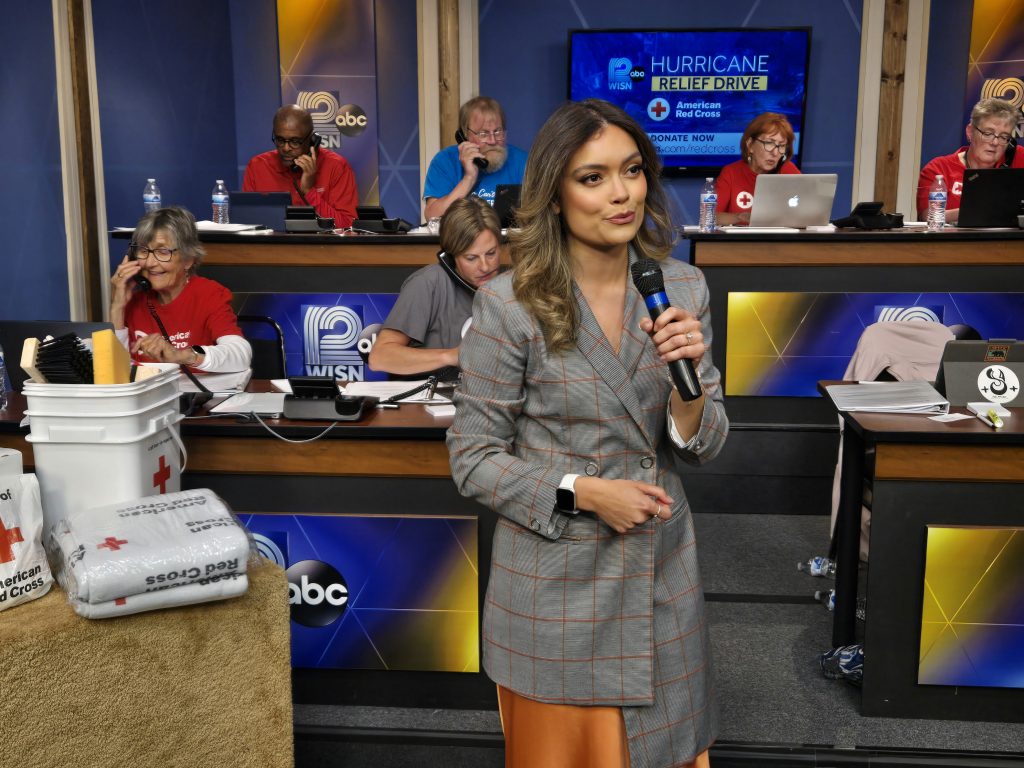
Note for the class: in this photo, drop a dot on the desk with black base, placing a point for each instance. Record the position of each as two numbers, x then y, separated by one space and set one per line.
925 473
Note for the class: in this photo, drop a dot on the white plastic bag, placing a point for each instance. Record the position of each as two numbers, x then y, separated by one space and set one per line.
24 572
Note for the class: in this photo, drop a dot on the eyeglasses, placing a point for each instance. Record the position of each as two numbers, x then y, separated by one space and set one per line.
141 252
998 138
497 135
770 146
291 141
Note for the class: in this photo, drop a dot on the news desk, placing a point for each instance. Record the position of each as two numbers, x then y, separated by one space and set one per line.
962 473
313 263
893 261
391 461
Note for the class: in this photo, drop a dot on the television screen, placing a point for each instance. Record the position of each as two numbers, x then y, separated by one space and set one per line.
694 90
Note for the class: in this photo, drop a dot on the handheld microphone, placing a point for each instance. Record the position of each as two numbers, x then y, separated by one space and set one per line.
650 282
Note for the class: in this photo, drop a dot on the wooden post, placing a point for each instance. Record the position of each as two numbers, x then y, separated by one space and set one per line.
890 102
448 68
86 191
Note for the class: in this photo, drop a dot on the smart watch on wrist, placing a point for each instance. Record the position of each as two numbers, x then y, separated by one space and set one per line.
565 496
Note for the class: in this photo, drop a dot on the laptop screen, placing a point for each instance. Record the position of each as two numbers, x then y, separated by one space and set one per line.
991 197
793 200
266 208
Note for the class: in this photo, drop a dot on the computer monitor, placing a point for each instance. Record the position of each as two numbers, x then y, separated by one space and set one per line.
261 208
991 197
506 201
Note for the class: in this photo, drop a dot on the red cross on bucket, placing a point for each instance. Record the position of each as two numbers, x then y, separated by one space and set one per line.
112 543
162 475
8 538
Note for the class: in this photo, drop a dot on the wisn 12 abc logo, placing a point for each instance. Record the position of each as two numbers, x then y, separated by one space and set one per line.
331 119
317 592
335 342
622 74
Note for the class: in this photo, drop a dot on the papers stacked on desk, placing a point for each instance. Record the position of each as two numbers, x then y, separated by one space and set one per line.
888 397
386 389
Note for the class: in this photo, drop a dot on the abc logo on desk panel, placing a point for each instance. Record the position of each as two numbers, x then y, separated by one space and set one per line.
317 591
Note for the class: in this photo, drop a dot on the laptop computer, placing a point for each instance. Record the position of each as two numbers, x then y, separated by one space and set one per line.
262 208
506 200
978 371
793 199
991 197
14 332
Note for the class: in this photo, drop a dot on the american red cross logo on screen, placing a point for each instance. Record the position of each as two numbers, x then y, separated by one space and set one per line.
162 475
112 543
658 109
8 538
744 199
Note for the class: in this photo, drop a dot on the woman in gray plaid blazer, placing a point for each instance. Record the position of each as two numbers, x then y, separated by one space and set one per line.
593 624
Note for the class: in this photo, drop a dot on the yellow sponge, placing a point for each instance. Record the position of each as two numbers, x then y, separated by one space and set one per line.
110 361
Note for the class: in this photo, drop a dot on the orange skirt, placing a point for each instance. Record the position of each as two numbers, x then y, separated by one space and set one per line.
541 735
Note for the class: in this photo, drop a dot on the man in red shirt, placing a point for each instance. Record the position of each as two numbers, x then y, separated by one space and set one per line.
989 135
315 176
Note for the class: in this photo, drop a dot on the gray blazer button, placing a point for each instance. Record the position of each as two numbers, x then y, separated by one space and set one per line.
535 525
646 462
698 444
591 469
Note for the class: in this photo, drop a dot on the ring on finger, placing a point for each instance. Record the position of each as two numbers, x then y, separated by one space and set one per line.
657 512
689 338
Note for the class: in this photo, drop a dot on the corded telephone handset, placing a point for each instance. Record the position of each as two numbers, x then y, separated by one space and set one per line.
479 162
315 140
144 284
447 262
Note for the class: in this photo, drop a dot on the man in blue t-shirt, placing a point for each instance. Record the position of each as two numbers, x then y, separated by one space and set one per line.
453 174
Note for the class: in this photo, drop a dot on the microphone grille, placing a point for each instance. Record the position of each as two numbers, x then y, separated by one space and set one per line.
647 276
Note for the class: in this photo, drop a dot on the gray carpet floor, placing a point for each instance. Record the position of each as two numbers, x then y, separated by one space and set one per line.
770 688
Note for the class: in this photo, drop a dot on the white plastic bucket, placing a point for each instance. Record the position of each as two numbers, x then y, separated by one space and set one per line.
98 445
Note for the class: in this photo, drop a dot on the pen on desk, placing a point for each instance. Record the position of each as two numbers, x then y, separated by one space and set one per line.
997 422
387 405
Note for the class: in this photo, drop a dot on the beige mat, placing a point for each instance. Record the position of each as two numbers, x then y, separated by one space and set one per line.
206 685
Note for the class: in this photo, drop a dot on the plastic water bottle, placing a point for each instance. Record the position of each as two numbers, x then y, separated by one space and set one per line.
220 203
818 566
937 204
151 196
826 597
708 206
4 385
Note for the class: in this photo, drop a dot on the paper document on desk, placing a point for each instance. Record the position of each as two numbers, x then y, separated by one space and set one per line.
888 397
263 403
386 389
205 225
747 230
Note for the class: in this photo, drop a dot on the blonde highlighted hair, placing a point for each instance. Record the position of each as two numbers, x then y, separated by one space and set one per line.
543 280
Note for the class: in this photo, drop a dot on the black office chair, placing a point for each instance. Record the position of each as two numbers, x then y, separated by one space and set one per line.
14 332
267 341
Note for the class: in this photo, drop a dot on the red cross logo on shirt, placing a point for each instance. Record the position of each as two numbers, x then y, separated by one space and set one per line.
162 475
112 543
744 200
8 538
